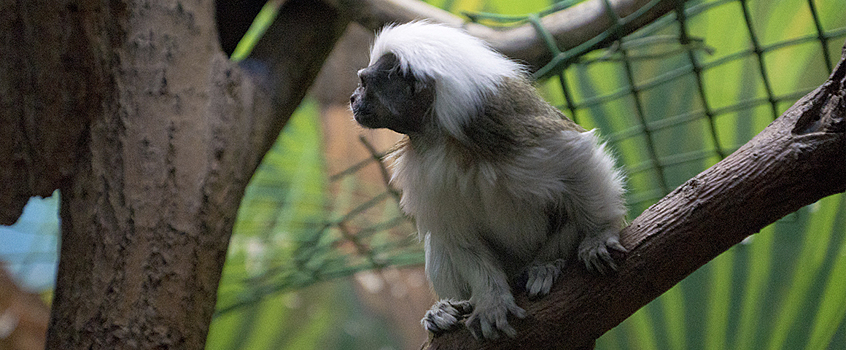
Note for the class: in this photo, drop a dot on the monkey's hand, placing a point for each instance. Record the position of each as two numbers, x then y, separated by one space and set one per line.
490 316
595 251
446 315
541 276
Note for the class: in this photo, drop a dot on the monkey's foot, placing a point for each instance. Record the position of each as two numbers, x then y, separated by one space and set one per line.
595 252
541 276
446 315
490 317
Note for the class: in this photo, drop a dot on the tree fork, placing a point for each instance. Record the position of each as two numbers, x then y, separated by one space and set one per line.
152 134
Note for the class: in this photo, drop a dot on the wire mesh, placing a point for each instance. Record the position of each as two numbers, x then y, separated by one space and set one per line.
367 231
691 49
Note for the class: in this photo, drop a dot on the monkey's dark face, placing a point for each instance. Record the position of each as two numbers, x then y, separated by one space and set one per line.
388 98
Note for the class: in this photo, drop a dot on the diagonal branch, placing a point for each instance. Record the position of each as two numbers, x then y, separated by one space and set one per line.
569 28
797 160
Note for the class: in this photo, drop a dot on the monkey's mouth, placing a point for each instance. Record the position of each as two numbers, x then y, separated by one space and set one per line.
366 120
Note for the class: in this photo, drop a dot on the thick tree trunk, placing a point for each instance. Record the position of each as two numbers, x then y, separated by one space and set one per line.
797 160
147 211
151 133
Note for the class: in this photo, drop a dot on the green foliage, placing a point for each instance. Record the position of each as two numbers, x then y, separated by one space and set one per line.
285 239
782 289
671 99
266 236
256 30
672 113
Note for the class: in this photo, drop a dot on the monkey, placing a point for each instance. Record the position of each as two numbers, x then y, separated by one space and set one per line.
505 190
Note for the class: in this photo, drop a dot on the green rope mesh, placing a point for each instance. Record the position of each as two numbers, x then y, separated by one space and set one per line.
373 242
563 60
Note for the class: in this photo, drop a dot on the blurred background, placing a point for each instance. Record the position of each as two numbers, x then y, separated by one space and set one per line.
322 258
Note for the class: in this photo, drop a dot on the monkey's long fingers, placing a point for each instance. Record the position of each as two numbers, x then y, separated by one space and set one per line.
486 326
614 243
446 315
602 264
595 252
491 319
541 276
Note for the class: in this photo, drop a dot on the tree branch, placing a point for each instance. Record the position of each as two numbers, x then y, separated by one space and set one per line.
570 28
49 89
797 160
285 62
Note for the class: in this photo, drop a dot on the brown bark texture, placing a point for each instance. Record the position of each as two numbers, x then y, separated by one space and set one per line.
797 160
151 133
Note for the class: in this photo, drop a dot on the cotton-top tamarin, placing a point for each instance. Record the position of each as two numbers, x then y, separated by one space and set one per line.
505 190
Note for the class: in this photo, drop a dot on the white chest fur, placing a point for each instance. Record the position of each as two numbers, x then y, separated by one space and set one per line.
467 204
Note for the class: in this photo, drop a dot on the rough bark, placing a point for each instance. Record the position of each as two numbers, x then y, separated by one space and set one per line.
144 214
52 82
151 133
797 160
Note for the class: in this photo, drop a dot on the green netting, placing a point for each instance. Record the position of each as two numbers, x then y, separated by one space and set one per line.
671 99
688 66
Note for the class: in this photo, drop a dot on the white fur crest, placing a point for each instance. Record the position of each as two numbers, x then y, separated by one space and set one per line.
465 69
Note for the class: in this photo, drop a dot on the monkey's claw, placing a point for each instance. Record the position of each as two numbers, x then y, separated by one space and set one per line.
446 315
541 276
491 318
595 252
